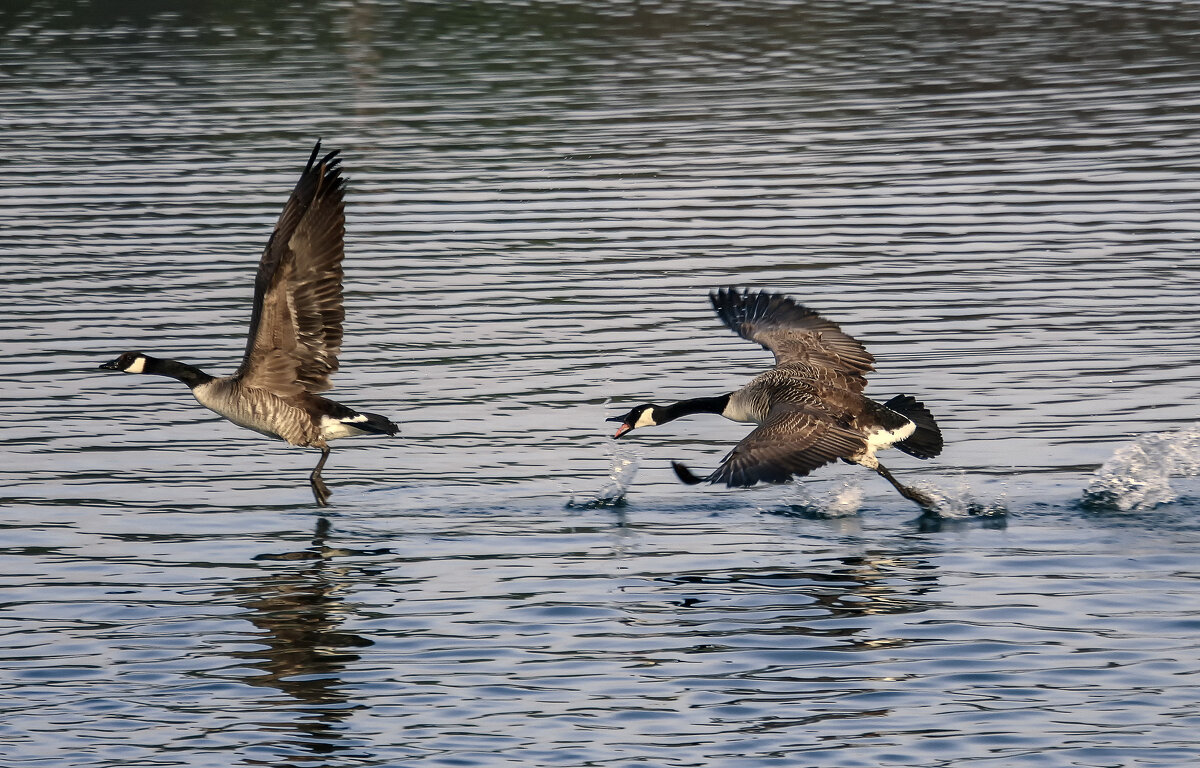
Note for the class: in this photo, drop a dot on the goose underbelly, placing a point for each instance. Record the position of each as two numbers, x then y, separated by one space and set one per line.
256 410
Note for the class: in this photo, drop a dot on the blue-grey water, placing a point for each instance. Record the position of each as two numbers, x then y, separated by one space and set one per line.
1000 199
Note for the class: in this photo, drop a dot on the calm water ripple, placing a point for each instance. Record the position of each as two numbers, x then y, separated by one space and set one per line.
999 199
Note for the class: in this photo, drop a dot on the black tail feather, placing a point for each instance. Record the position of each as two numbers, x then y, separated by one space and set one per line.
685 475
376 424
367 423
926 441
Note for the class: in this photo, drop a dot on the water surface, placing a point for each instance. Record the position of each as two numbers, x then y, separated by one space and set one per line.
998 199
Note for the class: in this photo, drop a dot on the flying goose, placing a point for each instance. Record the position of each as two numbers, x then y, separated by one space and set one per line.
295 331
809 408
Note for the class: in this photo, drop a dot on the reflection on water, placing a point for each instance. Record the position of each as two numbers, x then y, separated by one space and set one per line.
862 585
999 198
300 614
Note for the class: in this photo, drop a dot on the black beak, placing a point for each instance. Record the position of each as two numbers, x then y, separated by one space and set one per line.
110 366
614 418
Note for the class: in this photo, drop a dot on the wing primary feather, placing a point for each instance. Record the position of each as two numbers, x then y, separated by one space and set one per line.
685 475
792 332
296 323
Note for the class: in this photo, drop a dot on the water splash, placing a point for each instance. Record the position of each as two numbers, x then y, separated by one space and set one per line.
960 502
843 501
1138 475
621 472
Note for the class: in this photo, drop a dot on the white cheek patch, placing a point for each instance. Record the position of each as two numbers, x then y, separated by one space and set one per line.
645 420
137 366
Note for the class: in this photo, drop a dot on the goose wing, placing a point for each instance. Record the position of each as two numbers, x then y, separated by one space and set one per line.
296 326
794 334
790 443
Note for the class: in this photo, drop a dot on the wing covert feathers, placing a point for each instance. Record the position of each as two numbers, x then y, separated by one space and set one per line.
791 443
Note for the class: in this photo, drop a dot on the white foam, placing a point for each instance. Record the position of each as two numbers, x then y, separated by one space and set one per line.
959 501
1138 475
845 500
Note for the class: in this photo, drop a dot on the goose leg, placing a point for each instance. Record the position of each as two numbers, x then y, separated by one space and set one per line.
319 489
912 494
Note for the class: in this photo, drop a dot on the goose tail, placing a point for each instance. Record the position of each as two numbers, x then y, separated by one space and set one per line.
926 441
373 423
685 475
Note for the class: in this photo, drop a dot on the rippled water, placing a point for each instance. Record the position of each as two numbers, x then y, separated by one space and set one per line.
999 199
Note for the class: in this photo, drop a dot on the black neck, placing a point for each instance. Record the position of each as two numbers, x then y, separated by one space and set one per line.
188 374
688 407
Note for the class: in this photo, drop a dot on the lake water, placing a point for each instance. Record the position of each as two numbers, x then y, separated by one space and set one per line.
999 199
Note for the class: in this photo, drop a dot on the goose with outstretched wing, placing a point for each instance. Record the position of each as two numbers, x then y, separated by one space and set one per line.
295 331
810 408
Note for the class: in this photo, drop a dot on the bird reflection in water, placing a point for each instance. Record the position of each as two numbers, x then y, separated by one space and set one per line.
299 613
819 623
847 587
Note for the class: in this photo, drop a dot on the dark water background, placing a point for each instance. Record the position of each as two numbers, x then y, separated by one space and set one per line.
999 199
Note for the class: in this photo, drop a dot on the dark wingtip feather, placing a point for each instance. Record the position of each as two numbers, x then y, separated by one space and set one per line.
330 164
327 174
685 475
791 331
739 305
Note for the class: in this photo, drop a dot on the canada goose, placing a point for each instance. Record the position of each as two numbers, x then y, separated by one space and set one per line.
295 331
809 408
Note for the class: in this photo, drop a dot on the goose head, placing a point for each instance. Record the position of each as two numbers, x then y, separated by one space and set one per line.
645 415
129 362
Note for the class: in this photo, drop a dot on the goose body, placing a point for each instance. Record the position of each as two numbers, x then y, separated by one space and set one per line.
295 332
809 409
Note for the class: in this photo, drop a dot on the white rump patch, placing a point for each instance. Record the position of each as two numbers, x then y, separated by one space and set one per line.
331 429
882 438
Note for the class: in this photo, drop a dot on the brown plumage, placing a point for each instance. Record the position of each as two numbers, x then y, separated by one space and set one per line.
295 330
792 441
794 334
809 408
296 326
